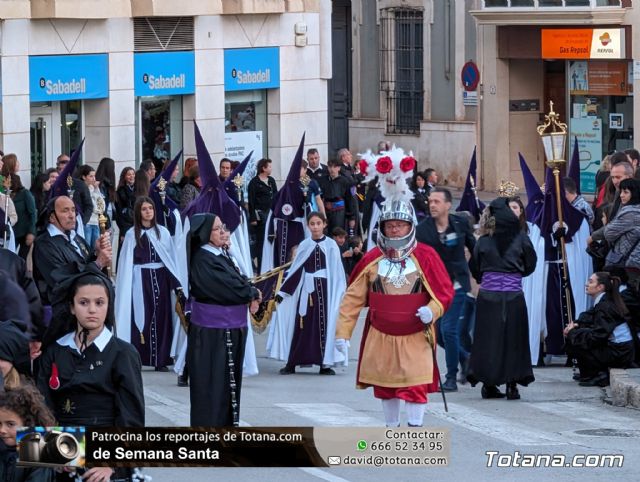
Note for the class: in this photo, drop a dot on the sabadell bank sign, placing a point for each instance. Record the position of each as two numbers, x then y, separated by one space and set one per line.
68 77
249 69
164 73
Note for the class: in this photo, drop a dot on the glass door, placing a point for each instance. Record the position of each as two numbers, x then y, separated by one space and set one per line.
159 128
41 144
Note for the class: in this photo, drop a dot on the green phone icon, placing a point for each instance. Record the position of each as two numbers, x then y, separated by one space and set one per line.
362 445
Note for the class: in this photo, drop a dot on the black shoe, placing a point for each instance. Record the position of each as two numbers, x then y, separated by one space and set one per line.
512 391
287 370
449 385
183 381
162 369
491 391
326 371
600 380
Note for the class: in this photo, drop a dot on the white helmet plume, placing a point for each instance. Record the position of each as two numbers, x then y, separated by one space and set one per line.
392 168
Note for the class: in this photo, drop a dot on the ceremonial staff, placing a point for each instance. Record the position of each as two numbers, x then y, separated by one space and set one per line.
102 222
554 148
7 192
238 182
474 189
305 181
162 185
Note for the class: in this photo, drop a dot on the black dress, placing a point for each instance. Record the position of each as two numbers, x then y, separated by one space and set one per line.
500 352
101 388
261 197
591 344
216 281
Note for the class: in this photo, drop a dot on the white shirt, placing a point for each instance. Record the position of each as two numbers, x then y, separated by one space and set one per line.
55 231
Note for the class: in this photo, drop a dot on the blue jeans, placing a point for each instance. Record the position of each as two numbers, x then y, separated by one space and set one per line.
91 235
467 322
449 334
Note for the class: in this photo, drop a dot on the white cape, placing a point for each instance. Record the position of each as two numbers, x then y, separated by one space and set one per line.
268 246
375 215
535 295
580 268
128 282
286 315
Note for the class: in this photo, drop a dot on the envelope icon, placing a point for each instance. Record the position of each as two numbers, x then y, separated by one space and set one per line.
334 460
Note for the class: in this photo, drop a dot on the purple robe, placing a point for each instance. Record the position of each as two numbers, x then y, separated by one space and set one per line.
157 285
310 331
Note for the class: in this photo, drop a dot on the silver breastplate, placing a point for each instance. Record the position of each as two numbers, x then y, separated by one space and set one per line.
395 273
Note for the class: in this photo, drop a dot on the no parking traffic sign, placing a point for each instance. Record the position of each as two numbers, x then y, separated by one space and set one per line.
470 76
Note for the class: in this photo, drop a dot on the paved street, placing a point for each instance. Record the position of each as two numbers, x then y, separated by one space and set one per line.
555 416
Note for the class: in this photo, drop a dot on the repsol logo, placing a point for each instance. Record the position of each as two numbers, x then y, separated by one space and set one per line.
162 82
249 77
57 87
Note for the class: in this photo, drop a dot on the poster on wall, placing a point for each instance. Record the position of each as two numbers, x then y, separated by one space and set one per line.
237 145
578 76
608 78
588 130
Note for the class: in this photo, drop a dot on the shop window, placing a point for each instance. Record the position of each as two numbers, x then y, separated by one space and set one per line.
160 128
70 124
402 68
246 123
601 103
553 3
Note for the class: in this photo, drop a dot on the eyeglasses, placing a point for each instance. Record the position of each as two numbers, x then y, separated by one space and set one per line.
222 228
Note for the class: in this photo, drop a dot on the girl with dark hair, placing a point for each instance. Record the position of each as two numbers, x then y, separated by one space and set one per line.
262 190
142 183
601 337
126 198
420 199
147 276
106 176
21 407
304 333
500 352
41 187
516 205
88 376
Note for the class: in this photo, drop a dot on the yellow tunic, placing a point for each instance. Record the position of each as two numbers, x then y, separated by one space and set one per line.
388 360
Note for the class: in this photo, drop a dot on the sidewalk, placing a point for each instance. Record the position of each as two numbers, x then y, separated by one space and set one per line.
625 387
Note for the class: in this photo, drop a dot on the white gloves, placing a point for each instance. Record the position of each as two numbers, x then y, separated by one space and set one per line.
425 314
341 350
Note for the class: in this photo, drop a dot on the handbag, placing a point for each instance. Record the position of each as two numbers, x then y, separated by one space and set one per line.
599 249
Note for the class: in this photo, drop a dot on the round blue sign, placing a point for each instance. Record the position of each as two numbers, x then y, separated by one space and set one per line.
470 76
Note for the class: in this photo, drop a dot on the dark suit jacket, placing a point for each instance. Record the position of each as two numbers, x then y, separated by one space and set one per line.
452 255
16 269
82 198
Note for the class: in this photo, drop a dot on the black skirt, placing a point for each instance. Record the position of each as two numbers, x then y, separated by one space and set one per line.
209 373
500 351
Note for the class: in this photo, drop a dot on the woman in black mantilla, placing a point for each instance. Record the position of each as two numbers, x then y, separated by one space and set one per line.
220 299
88 376
500 352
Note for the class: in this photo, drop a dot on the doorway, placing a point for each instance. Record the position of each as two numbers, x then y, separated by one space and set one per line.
41 144
159 129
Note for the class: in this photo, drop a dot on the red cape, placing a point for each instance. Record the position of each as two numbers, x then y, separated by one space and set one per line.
436 276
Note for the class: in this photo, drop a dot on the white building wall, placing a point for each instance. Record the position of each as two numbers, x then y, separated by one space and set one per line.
299 105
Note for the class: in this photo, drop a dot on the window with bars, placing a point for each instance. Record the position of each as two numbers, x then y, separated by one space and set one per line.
401 76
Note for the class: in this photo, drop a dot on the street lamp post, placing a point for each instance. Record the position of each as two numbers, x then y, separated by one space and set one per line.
553 134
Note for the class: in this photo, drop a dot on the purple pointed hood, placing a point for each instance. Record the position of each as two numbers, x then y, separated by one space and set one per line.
60 187
468 201
535 197
212 198
574 165
289 202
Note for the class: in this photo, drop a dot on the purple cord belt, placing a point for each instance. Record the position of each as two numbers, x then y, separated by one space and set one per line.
218 316
493 281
